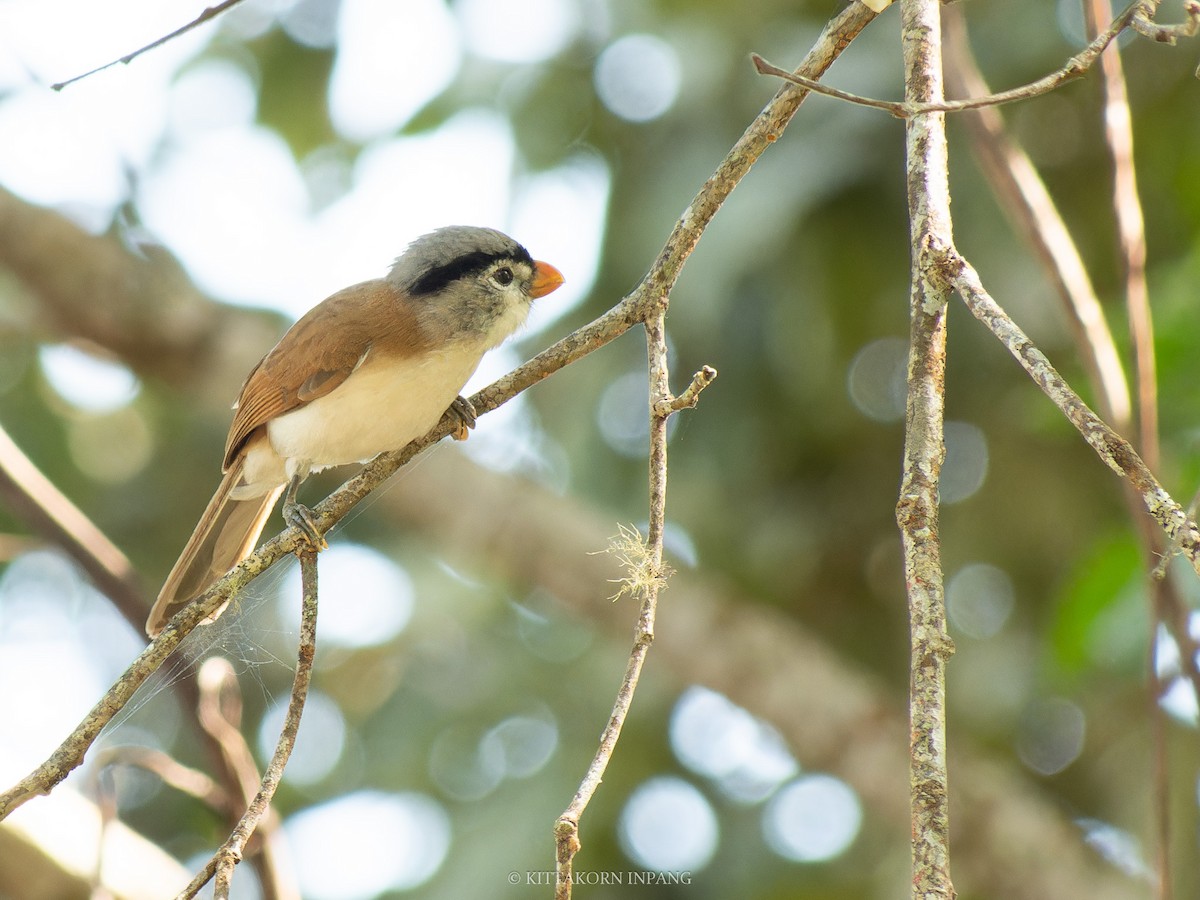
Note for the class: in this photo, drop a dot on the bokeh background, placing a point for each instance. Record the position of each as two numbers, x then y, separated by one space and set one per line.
164 221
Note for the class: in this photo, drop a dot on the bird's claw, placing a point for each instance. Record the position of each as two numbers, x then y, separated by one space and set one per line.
463 413
301 518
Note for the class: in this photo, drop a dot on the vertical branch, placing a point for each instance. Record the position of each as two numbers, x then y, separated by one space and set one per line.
230 853
646 576
566 829
924 450
660 390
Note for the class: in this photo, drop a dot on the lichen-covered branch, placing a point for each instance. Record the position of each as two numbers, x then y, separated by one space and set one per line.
924 451
1116 452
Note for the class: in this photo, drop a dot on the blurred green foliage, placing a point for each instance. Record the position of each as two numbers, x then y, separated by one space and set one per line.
786 489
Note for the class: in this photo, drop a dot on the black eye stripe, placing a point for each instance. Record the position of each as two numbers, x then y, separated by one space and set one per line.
464 266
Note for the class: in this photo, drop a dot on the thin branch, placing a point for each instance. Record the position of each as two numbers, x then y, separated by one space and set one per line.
1114 450
219 711
172 773
1118 454
763 67
660 392
690 396
917 510
648 580
202 787
193 782
1075 67
230 853
210 13
1144 25
566 827
650 301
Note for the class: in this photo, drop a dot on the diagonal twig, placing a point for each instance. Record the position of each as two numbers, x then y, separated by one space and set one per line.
210 13
1114 451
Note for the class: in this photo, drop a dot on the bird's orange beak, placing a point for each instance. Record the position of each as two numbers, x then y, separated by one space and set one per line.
546 278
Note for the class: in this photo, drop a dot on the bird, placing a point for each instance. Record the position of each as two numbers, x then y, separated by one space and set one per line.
369 369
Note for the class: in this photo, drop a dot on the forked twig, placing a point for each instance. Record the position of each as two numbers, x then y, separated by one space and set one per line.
1074 68
691 394
646 576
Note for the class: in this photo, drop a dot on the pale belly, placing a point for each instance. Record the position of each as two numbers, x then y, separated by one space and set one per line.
382 406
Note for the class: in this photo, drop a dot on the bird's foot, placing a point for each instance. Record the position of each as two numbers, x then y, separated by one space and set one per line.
463 413
301 518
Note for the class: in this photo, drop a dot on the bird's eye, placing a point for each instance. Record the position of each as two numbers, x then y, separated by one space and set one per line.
504 276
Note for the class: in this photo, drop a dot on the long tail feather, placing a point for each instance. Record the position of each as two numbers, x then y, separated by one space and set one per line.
225 535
